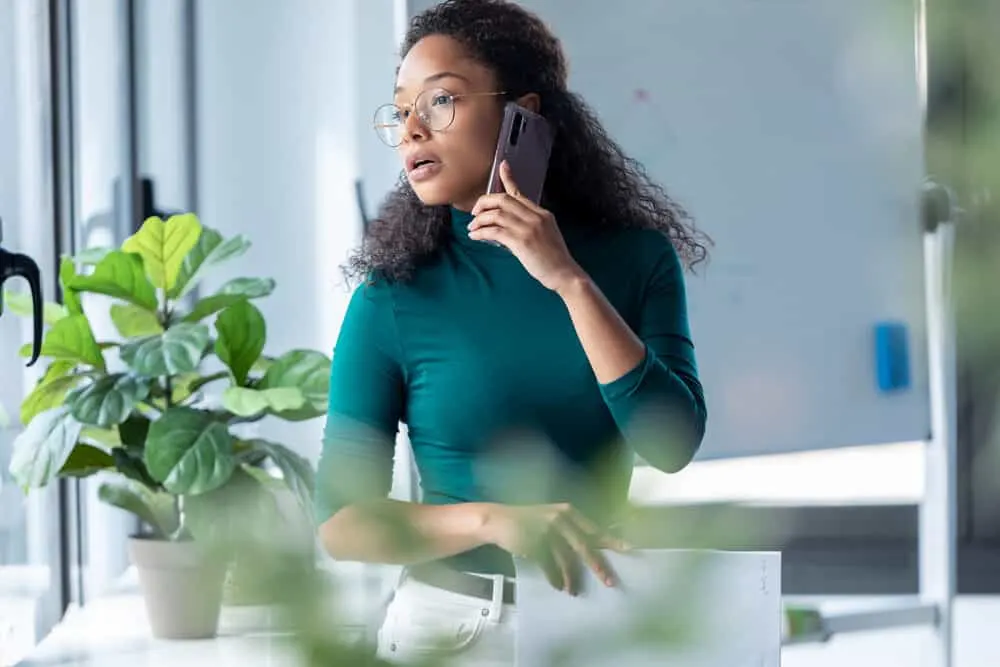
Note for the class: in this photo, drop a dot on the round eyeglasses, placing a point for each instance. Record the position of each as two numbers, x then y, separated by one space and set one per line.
435 109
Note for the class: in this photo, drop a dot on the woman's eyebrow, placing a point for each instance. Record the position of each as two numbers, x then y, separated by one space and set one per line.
437 77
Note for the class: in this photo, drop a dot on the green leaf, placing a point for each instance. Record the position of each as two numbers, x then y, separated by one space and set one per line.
189 452
109 400
262 364
242 332
244 402
91 256
135 322
120 275
41 450
20 304
131 465
67 275
296 472
242 510
305 413
50 391
72 339
177 350
156 509
236 290
102 436
180 386
196 382
232 292
133 431
251 288
307 370
85 460
163 246
211 250
210 305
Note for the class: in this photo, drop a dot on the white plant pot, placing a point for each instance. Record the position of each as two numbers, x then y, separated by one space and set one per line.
182 588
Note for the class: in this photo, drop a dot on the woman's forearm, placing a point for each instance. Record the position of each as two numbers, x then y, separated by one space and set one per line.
612 348
636 381
393 532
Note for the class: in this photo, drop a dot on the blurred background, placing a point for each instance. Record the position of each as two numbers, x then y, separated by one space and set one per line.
812 140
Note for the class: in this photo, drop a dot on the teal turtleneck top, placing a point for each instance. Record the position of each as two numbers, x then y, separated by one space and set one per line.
482 364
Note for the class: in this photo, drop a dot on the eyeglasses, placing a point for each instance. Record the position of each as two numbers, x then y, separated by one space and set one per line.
435 108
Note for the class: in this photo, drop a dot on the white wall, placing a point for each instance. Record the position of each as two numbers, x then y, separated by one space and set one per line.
382 23
277 160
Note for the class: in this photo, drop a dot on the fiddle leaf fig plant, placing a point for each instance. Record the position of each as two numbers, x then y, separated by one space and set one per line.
139 407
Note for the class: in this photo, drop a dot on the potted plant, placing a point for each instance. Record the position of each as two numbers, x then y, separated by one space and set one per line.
161 411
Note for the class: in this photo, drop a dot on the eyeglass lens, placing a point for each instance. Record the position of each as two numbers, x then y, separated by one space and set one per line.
435 108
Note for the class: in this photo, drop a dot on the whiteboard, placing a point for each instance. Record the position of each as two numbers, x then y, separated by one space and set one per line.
791 130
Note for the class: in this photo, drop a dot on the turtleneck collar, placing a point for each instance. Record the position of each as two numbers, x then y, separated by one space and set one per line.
459 222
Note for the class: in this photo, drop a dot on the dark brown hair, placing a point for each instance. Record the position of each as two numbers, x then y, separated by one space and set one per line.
590 180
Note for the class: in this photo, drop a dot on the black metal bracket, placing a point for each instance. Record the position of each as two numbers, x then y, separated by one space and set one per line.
13 265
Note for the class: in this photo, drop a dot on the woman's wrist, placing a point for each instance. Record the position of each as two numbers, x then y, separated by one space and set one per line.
483 521
575 283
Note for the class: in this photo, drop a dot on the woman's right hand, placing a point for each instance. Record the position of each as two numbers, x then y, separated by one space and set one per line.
557 537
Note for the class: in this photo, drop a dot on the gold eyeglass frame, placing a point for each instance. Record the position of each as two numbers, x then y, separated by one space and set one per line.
379 127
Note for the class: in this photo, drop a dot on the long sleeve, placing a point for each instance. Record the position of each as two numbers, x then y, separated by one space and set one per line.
659 405
366 404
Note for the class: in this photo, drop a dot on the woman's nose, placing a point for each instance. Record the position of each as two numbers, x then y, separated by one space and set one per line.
414 127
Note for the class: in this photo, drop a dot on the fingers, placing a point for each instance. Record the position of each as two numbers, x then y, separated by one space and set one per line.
553 572
499 218
507 178
511 198
599 537
587 548
558 560
568 562
494 233
568 541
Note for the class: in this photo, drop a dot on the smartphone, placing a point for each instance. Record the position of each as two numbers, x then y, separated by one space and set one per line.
525 142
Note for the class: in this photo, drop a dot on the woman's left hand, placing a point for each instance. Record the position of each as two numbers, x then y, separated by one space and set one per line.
527 230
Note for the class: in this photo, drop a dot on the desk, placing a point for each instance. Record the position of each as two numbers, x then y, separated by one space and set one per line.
112 631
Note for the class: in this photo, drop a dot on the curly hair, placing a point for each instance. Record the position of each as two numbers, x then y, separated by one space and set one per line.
590 180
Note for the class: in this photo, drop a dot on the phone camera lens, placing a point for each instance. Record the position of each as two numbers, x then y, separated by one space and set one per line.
515 129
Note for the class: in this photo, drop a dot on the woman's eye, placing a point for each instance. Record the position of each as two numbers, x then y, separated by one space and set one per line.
441 100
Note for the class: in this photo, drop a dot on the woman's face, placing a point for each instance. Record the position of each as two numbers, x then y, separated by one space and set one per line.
447 165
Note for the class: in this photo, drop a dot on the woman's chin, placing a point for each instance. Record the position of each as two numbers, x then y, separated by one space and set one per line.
431 194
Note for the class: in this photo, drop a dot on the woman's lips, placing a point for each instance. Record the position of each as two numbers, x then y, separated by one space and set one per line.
424 172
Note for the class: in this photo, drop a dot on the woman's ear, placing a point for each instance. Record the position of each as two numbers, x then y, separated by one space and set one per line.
531 102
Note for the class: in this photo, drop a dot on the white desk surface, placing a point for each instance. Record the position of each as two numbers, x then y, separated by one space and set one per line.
112 631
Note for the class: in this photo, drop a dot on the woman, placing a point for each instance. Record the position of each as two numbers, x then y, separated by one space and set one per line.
530 349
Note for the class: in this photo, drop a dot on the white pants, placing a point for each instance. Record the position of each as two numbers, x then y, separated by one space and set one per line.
424 621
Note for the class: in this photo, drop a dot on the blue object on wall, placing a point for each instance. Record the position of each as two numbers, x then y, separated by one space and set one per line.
892 356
